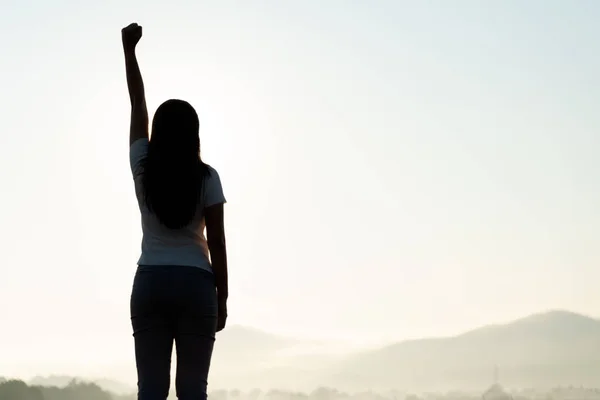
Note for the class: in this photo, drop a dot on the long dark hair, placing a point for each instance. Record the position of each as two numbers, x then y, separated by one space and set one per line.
173 172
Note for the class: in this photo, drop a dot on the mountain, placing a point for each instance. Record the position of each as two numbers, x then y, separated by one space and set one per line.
546 349
541 350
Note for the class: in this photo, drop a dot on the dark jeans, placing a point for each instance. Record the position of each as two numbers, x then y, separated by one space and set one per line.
173 304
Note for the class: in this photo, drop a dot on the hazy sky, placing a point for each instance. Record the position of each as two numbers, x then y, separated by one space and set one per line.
393 168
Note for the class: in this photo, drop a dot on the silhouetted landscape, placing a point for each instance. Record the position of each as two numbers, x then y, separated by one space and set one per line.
542 351
78 390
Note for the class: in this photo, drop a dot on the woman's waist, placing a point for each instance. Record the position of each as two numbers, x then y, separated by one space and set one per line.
162 244
174 269
189 255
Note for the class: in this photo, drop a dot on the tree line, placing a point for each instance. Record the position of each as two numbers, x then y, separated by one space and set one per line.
19 390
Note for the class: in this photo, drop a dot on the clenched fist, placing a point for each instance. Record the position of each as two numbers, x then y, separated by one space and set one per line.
131 35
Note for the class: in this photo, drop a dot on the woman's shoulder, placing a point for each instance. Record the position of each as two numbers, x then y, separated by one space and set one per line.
212 171
213 187
212 178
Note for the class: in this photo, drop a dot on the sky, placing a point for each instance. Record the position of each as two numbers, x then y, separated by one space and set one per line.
393 169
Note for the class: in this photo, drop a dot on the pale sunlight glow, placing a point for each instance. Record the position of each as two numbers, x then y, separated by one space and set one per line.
402 170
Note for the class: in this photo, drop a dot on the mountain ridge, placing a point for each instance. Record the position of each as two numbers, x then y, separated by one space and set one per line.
532 318
545 349
541 349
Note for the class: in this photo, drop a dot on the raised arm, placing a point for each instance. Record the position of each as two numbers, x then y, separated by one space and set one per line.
138 128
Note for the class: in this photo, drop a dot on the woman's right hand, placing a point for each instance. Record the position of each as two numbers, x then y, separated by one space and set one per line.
131 35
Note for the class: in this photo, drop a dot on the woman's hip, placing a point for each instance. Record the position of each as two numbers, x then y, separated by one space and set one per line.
173 290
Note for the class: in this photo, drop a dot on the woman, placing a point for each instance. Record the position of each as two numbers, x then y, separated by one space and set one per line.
180 288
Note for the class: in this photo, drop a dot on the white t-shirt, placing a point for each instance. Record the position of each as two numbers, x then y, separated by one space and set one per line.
164 246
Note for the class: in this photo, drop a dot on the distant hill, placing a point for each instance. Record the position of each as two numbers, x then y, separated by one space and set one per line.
242 349
238 339
238 343
542 350
249 358
62 381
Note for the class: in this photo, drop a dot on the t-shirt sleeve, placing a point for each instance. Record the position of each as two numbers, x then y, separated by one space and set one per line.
137 153
213 190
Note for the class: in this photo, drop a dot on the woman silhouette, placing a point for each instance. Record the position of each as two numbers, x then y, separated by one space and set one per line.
179 291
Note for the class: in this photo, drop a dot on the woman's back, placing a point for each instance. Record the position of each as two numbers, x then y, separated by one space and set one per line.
165 246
